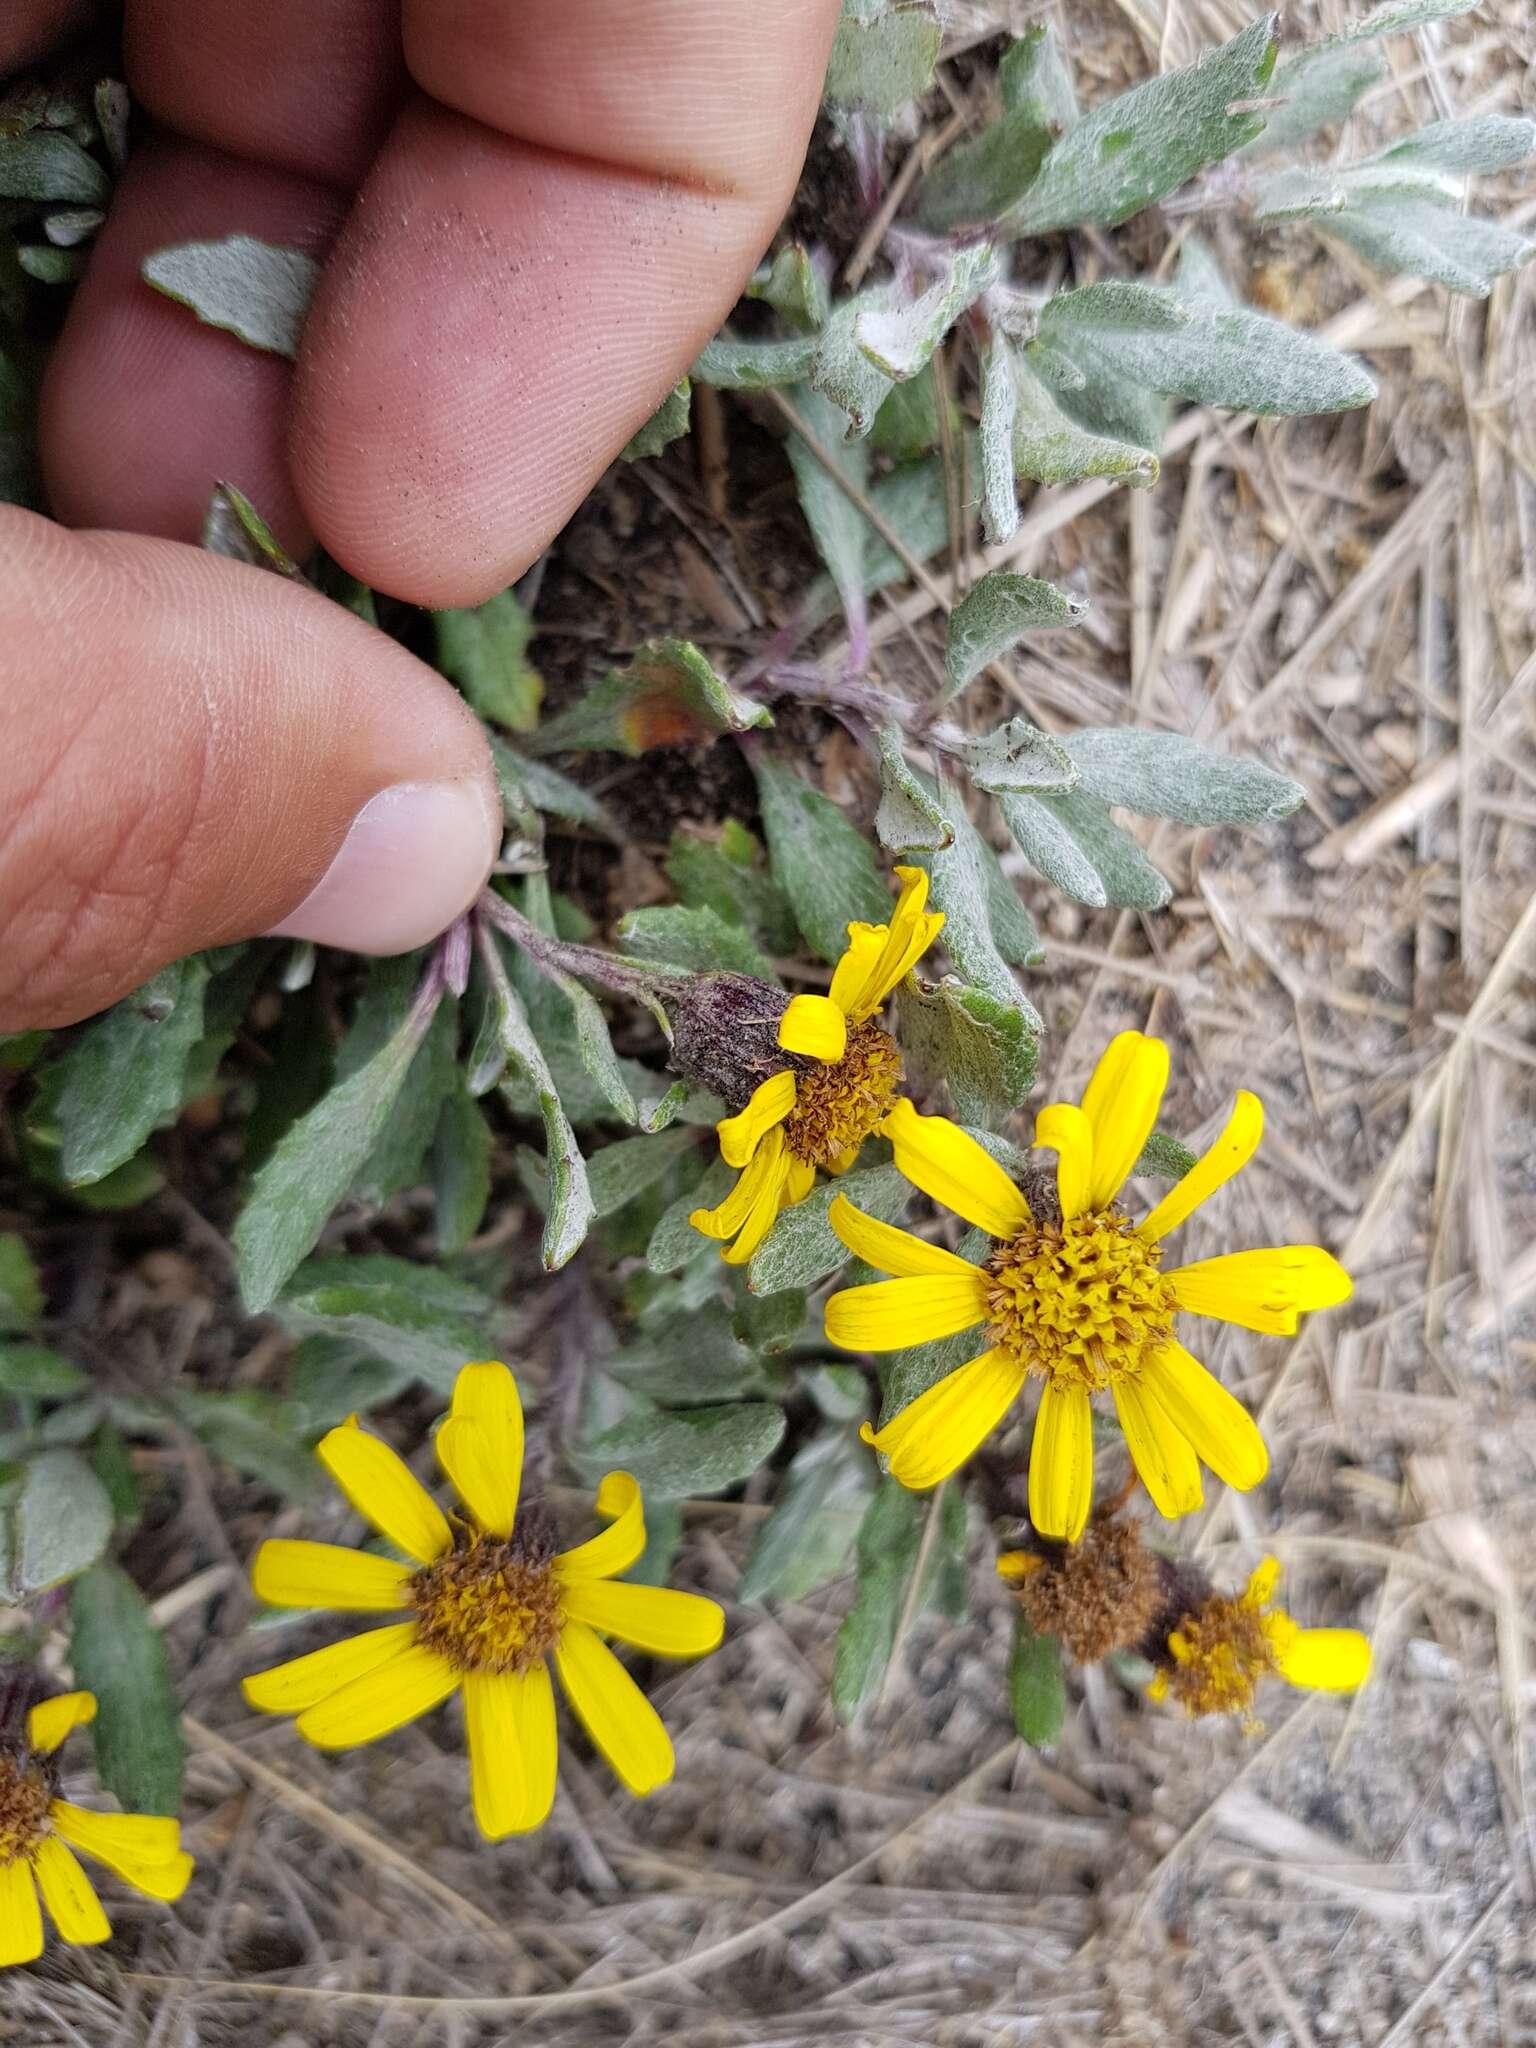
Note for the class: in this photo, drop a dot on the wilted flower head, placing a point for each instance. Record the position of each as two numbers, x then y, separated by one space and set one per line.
818 1112
1074 1294
39 1833
1215 1655
490 1602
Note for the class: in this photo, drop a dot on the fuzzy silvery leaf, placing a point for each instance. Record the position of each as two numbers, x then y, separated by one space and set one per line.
801 1248
253 290
49 265
42 1375
1033 73
770 1323
730 878
234 528
1072 840
681 1456
881 62
976 183
594 1048
681 1103
1459 148
667 695
254 1433
116 1652
461 1170
999 406
912 500
1165 775
1037 1690
1199 277
60 1522
667 424
674 1241
123 1077
49 168
1017 757
838 527
697 940
984 1047
995 614
528 787
569 1214
21 1290
617 1173
900 338
908 820
484 649
1164 1158
809 1537
1319 86
987 930
1238 359
841 369
819 859
1403 232
1050 447
793 284
732 365
907 425
889 1538
416 1318
1138 147
67 227
1103 400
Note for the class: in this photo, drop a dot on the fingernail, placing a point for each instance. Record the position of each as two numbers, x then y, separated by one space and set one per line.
415 857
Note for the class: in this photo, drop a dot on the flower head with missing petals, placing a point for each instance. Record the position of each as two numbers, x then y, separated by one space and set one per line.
818 1113
1074 1293
1214 1659
490 1603
39 1833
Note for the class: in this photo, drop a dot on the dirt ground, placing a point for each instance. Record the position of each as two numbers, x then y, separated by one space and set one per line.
1354 599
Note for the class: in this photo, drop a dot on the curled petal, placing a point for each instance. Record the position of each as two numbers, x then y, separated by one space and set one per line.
1262 1582
617 1547
1220 1161
52 1722
880 956
484 1454
1121 1102
771 1197
815 1027
935 1434
144 1850
1062 1128
771 1102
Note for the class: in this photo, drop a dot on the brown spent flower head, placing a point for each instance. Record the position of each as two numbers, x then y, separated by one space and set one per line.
725 1034
1104 1593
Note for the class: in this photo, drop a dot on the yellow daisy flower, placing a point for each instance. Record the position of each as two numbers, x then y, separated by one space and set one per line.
1217 1655
1076 1294
489 1602
821 1115
39 1833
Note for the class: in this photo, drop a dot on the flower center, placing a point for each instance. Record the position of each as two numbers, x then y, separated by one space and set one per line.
838 1104
488 1607
1080 1302
1219 1655
24 1801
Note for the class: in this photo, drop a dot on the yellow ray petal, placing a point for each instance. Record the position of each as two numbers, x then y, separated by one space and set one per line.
616 1548
487 1444
498 1792
765 1171
855 970
1163 1456
894 1251
653 1618
1324 1659
52 1722
935 1434
1224 1435
767 1202
799 1179
1062 1128
21 1918
771 1102
301 1682
1015 1566
533 1717
1061 1463
1263 1290
289 1573
1121 1102
888 1315
615 1713
382 1700
938 1157
879 956
1226 1156
385 1491
816 1027
142 1849
1262 1582
69 1895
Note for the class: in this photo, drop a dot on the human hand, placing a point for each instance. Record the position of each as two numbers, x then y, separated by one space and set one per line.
533 216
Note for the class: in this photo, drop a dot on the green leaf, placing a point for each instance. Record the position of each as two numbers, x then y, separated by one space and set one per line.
117 1653
399 1159
809 1537
692 1360
697 1451
900 336
332 1377
838 527
771 1322
41 1374
999 409
982 937
1399 228
842 369
123 1077
461 1169
909 819
801 1249
569 1214
907 425
1037 1690
1147 335
674 1241
619 1172
995 614
698 941
983 1046
1050 447
667 424
60 1521
50 168
1165 775
1136 148
913 501
531 786
1320 85
889 1538
667 696
1459 148
313 1165
730 879
793 285
253 290
1018 757
663 1540
880 65
1071 839
732 365
21 1290
841 1392
1033 73
415 1318
1199 277
484 649
977 182
232 527
819 859
1164 1157
253 1433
